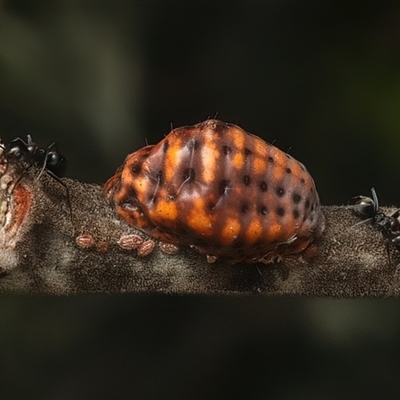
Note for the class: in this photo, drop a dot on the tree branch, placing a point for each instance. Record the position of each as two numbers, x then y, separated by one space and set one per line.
39 251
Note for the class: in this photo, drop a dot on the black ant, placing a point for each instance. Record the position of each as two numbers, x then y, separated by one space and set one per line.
388 225
50 160
29 154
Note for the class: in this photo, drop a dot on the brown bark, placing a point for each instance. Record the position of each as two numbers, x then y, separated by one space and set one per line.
42 256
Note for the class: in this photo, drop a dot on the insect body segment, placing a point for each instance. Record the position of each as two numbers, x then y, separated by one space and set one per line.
221 190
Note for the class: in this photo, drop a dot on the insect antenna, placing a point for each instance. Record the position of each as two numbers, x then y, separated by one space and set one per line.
362 222
375 199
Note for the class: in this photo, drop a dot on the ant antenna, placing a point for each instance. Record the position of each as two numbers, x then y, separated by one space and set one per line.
375 199
362 222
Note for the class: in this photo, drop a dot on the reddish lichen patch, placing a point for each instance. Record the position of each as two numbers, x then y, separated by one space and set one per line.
16 212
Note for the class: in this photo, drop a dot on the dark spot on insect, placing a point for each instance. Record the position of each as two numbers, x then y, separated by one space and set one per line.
280 191
288 171
246 180
159 176
189 175
307 204
224 186
136 168
247 151
244 208
302 180
280 211
165 146
226 150
263 186
313 207
296 198
263 210
296 214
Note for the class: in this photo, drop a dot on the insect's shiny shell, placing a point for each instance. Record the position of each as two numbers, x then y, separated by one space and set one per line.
222 190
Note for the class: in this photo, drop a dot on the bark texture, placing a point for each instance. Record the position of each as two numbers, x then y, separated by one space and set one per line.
39 252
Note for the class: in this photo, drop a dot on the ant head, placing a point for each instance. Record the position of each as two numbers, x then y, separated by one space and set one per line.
17 150
365 207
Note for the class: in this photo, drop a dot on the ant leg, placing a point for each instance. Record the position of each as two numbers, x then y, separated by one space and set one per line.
55 177
388 252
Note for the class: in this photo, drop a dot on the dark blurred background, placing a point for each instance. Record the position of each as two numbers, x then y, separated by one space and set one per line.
102 79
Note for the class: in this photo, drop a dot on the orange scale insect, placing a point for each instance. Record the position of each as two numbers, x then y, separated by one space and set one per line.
219 189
